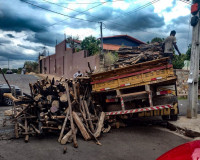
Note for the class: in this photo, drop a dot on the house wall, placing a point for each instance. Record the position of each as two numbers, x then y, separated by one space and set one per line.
65 63
120 41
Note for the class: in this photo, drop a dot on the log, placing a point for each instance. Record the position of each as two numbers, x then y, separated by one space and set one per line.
63 98
37 98
71 118
88 116
75 90
66 137
81 127
26 131
100 124
63 127
9 95
54 106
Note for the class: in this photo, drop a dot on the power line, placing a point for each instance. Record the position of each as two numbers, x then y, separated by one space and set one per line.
67 18
56 12
109 21
90 2
70 8
187 2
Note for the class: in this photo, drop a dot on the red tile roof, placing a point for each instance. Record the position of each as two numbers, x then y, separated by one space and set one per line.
132 38
77 41
111 47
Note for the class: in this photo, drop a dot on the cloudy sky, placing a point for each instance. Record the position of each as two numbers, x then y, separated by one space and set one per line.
26 26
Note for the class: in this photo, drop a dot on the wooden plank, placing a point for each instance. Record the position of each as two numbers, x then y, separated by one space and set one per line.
132 94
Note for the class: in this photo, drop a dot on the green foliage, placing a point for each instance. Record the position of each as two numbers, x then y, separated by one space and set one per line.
178 61
188 53
110 58
4 70
91 44
157 39
31 66
72 43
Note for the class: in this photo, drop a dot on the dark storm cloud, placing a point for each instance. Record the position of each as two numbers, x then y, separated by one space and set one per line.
10 36
15 55
46 38
4 41
37 48
181 20
14 19
128 20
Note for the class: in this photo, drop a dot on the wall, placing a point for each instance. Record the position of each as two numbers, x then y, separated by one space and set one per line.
182 77
65 63
120 41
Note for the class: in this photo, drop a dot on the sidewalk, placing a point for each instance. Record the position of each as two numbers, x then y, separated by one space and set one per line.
186 126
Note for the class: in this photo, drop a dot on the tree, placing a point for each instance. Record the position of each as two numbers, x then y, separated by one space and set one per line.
178 61
72 44
157 39
91 44
31 66
188 53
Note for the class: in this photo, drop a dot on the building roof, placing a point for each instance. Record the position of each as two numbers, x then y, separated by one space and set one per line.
77 41
111 47
127 36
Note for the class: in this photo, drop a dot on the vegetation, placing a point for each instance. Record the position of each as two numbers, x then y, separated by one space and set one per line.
72 43
31 66
91 44
157 39
110 58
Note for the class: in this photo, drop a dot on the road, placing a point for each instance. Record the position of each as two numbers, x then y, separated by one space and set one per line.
135 142
22 81
141 140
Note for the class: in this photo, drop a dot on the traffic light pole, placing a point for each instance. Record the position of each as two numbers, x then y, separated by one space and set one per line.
192 108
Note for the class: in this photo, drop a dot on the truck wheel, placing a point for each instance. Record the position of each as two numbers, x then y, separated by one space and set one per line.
8 101
173 117
165 118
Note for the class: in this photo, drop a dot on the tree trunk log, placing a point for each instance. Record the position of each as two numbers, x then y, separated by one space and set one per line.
100 124
81 127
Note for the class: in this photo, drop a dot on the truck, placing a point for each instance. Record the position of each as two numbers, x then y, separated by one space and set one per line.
140 90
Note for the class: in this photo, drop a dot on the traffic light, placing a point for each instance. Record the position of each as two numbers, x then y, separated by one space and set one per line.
195 7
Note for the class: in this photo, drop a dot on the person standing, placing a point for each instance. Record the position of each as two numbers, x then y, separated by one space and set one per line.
169 45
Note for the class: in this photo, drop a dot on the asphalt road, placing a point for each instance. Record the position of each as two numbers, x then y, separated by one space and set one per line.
22 81
135 142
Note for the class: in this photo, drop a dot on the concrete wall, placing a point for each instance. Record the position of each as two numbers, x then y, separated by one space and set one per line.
65 63
182 77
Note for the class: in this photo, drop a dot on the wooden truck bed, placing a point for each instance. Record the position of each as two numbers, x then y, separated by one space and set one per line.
135 75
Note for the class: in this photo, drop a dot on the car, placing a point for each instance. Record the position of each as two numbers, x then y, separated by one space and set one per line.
4 88
9 72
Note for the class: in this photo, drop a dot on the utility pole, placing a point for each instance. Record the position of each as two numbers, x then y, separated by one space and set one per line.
8 64
101 56
192 108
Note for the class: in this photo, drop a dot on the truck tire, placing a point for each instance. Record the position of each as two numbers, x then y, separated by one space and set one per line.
7 101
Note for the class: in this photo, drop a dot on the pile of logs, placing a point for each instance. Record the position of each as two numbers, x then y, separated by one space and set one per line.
142 53
64 107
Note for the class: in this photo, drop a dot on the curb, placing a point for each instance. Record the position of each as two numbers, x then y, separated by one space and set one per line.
182 130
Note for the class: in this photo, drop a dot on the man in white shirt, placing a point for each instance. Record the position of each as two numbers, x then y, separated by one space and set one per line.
78 74
169 45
